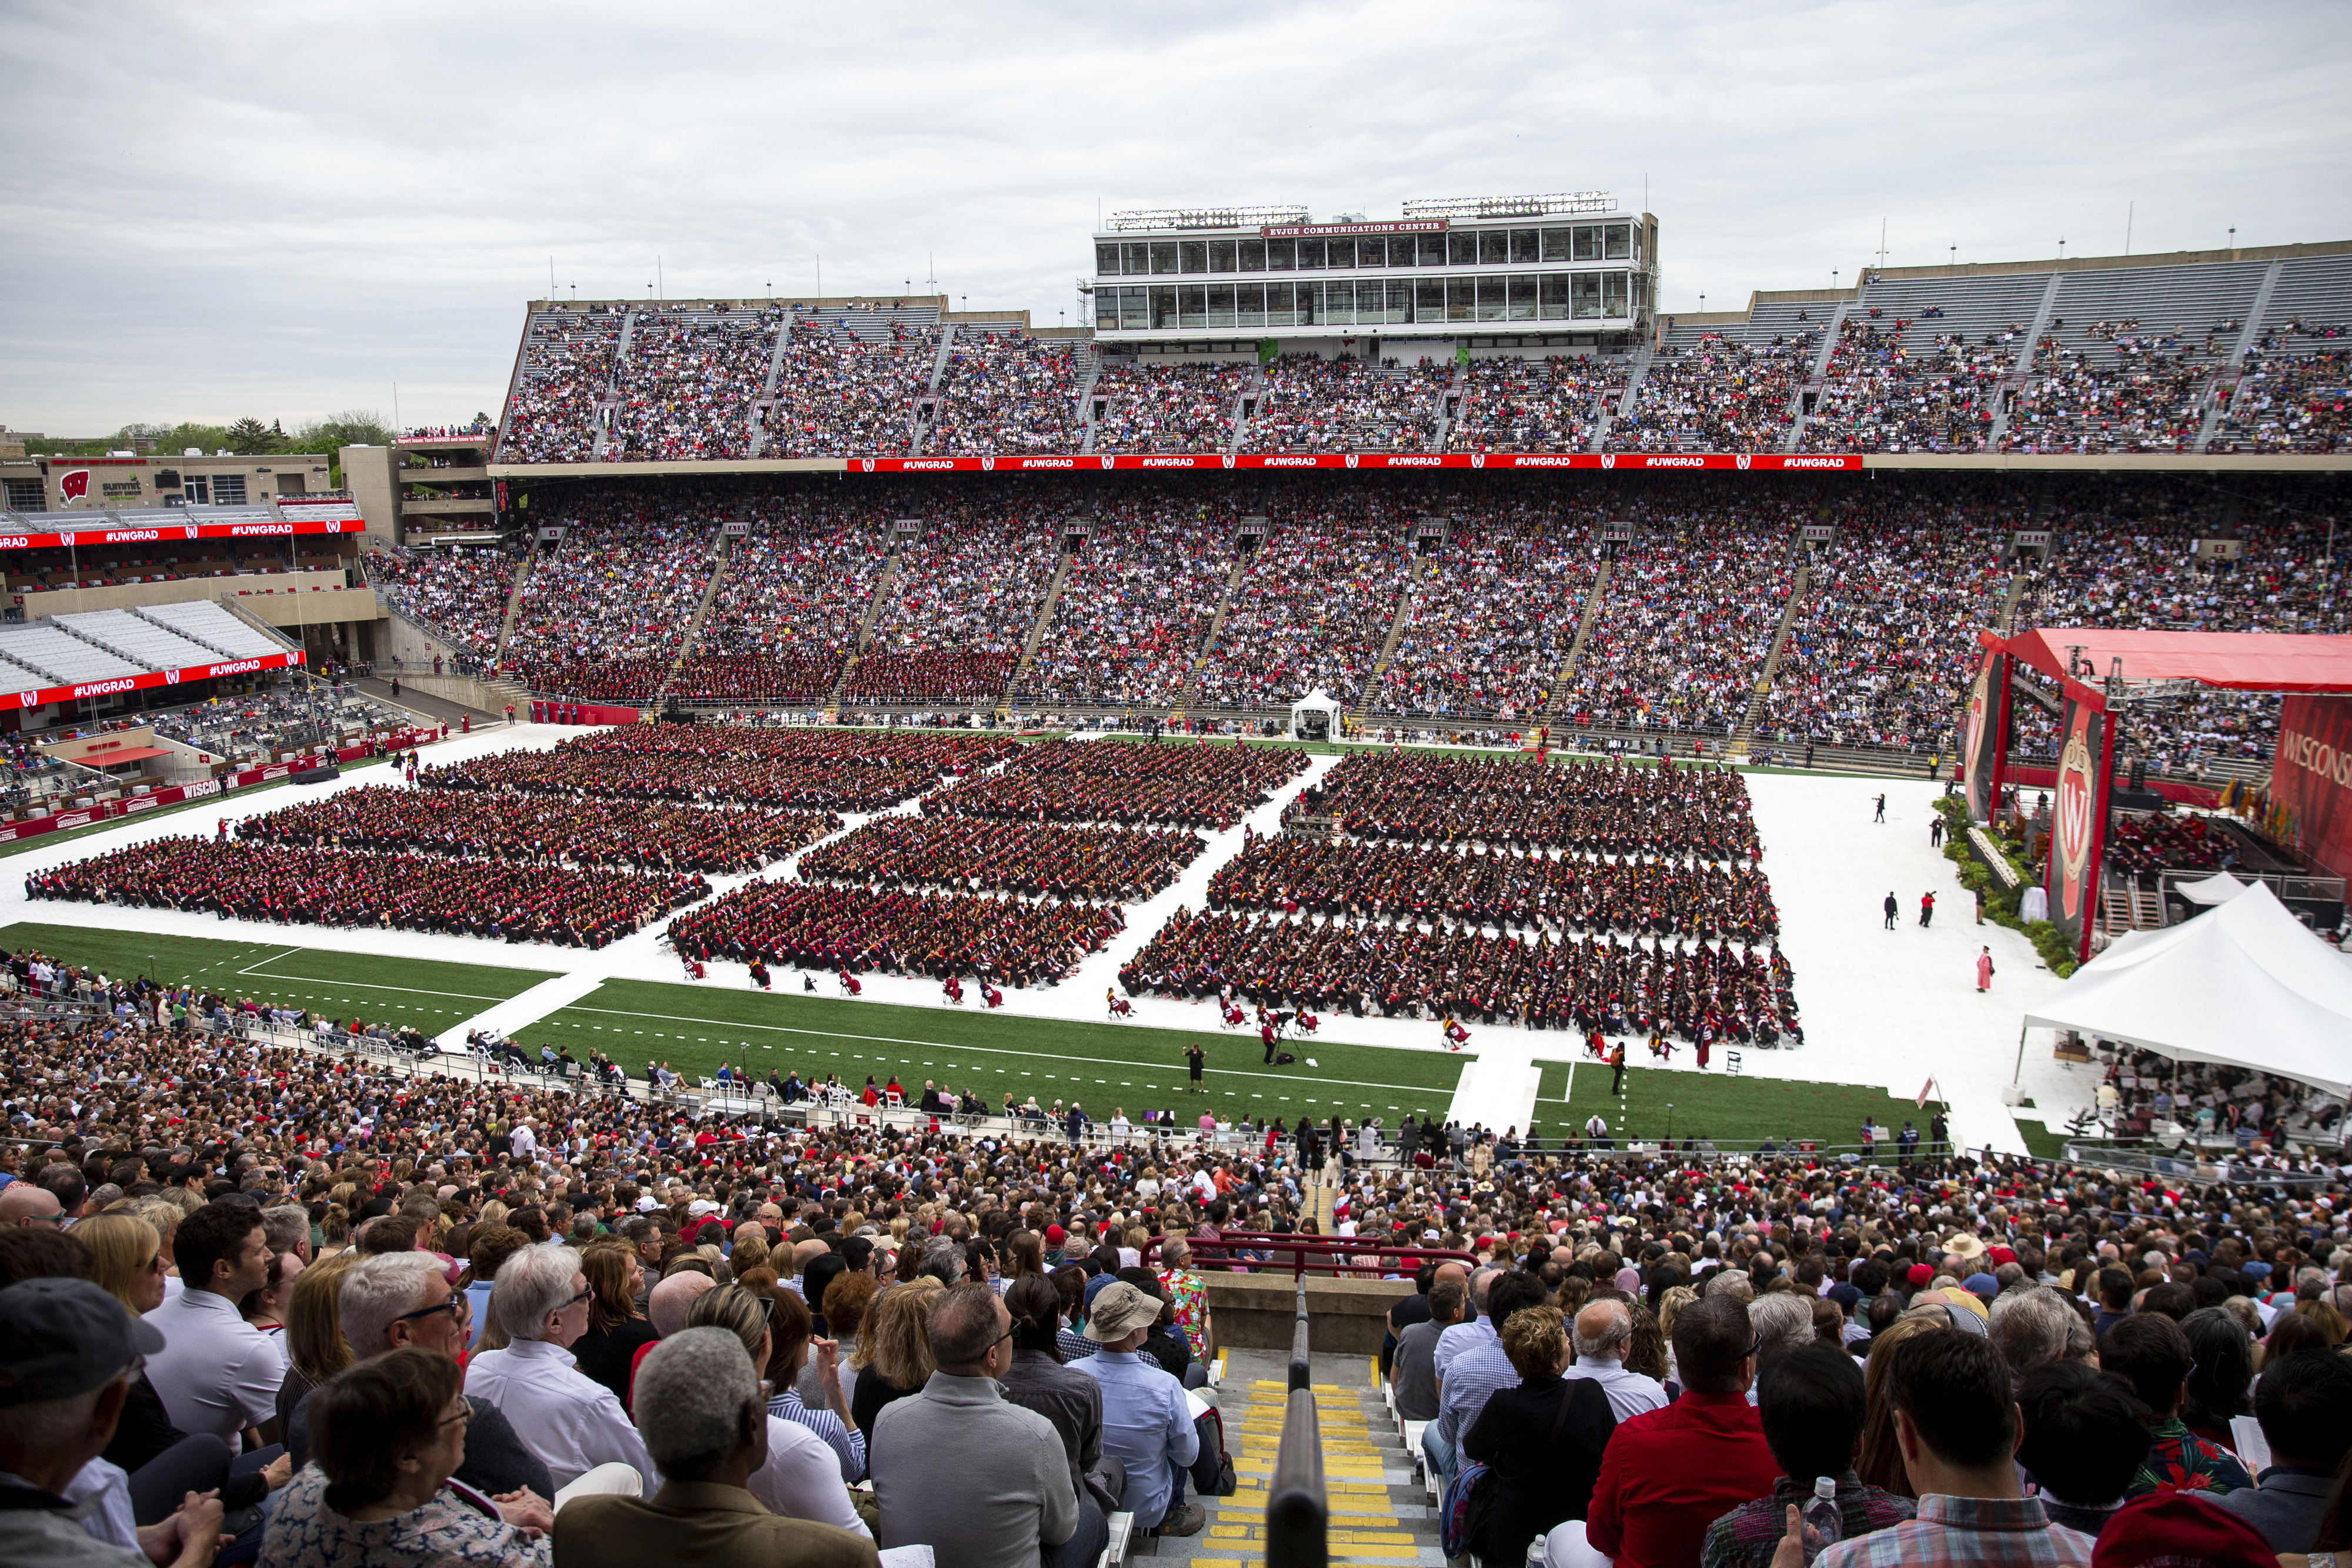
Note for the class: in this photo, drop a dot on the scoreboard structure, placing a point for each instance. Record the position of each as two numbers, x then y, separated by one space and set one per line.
1559 271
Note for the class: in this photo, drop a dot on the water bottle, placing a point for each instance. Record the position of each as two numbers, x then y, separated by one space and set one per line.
1821 1518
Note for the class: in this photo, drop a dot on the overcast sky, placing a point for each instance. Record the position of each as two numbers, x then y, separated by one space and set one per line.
283 210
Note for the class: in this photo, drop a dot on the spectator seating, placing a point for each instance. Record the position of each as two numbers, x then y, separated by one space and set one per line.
687 385
1312 606
1492 622
1004 390
1168 407
566 370
1549 404
1309 403
1134 608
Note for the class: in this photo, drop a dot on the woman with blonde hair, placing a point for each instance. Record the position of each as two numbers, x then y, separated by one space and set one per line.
802 1477
894 1354
315 1348
129 1267
1672 1300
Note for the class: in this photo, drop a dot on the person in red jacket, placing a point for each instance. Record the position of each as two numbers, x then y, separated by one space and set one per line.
1670 1473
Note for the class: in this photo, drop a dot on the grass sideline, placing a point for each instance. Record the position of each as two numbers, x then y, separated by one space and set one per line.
1727 1109
427 993
1103 1066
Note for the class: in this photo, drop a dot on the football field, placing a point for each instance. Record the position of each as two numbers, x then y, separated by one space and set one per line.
1730 1108
1105 1067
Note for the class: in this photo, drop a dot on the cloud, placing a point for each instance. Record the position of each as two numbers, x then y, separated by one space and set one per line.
283 210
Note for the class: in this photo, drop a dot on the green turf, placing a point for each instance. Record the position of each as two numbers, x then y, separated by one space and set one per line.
1727 1109
2040 1141
432 996
1105 1066
44 841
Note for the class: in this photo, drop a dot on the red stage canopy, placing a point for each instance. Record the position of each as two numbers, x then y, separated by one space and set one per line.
2234 661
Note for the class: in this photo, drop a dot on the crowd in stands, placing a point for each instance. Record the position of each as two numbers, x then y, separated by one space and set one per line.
603 616
569 906
800 769
837 396
1503 889
461 593
2149 397
1309 403
1883 393
687 384
1125 783
1688 619
1006 392
1709 994
1134 610
958 611
568 360
1552 404
1976 1360
1716 395
1491 622
790 599
1314 604
545 829
2287 403
957 854
1168 407
852 931
1590 808
1884 642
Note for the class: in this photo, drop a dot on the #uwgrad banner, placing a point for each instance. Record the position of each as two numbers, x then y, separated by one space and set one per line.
2079 824
1980 729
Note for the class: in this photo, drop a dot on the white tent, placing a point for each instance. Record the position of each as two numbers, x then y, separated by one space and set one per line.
1320 703
2219 888
2245 983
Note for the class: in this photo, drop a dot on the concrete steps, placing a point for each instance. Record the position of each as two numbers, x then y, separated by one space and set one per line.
1557 701
1380 1514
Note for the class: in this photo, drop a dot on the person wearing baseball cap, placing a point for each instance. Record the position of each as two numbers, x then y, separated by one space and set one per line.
1147 1421
67 1354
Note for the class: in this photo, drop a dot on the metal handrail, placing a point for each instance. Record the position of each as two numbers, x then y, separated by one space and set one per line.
1333 1255
1298 1511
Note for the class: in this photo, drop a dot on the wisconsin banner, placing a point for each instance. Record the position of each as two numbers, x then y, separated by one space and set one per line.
1982 724
2079 827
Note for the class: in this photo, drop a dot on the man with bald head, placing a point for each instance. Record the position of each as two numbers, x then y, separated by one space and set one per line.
1604 1331
24 1203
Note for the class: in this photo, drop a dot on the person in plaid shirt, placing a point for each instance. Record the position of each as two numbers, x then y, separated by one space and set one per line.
1957 1425
1811 1403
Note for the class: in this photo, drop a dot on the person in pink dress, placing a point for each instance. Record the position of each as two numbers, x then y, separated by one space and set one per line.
1984 970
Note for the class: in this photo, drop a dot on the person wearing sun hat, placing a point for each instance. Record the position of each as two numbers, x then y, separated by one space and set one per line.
1147 1421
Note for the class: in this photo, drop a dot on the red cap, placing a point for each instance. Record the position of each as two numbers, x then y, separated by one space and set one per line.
1918 1274
1999 1255
2173 1528
1053 1236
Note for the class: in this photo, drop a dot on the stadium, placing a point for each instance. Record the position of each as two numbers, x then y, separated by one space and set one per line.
1383 757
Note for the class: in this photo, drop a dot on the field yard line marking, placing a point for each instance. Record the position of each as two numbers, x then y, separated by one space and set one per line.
994 1051
370 985
1570 1093
364 984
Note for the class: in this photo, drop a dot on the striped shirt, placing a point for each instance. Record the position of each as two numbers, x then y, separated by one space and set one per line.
847 1443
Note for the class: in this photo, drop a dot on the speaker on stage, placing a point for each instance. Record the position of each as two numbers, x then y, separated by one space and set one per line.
319 775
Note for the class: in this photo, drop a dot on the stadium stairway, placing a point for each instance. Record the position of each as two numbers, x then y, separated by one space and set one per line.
1380 1513
1191 695
2023 369
1398 620
1094 363
2248 336
1557 702
1037 628
1638 373
1744 736
720 548
514 601
874 604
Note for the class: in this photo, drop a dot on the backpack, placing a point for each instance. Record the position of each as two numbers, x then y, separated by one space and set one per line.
1284 1060
1213 1472
1455 1518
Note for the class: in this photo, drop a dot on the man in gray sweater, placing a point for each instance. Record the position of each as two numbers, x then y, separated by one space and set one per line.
961 1470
